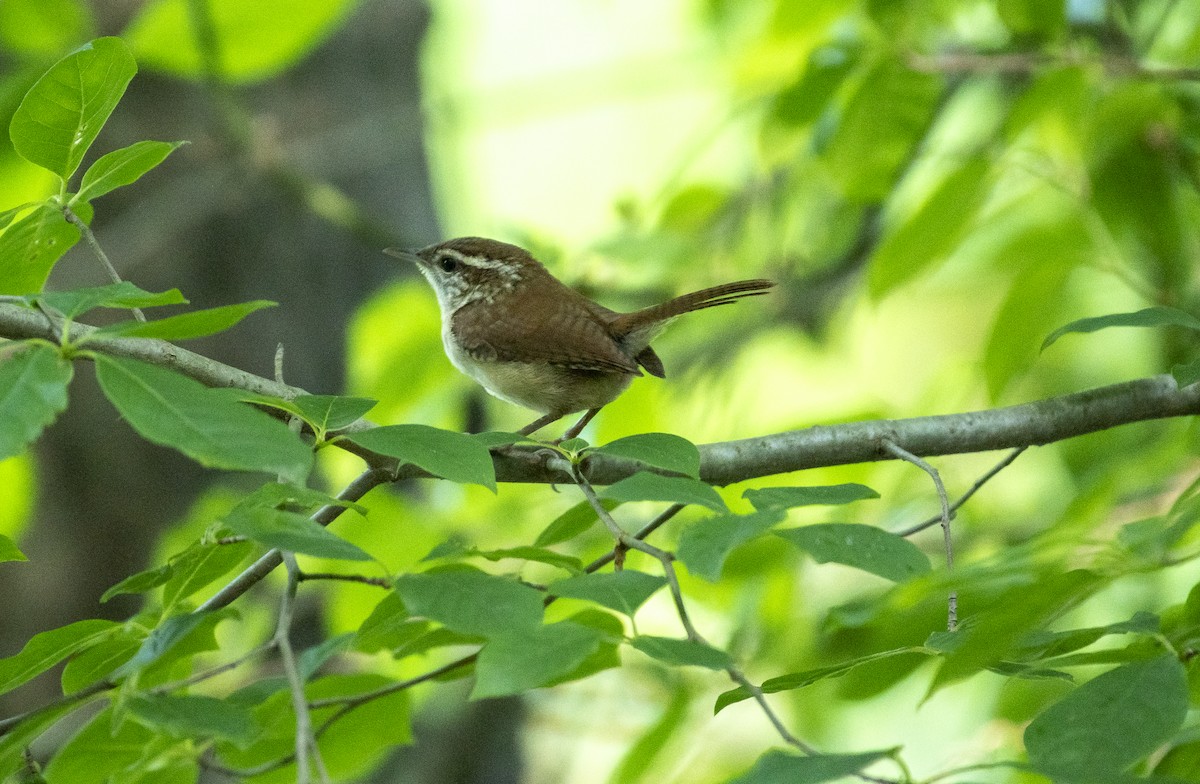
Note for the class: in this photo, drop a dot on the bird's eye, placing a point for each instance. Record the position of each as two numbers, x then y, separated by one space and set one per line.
448 263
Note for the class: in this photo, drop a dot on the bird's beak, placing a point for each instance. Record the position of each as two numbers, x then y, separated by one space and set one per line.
405 254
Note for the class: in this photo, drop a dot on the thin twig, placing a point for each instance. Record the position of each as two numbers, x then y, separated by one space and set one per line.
381 582
954 507
306 741
213 672
904 454
86 231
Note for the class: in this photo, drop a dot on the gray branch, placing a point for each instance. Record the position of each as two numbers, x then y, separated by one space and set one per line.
1028 424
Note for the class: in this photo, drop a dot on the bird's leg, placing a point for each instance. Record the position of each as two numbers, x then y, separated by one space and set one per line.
572 431
578 427
539 423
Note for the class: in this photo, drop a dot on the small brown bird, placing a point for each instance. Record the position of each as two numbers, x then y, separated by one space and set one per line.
528 339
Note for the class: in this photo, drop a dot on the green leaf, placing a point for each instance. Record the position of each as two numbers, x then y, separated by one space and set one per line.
805 100
1112 721
525 658
704 546
572 522
470 601
33 392
30 247
798 680
819 495
9 550
1148 317
252 40
99 661
1186 373
65 109
124 294
122 167
277 495
389 626
781 767
934 231
453 456
47 649
103 751
292 531
194 716
624 591
185 326
165 637
861 546
659 450
332 412
526 553
198 566
682 653
173 410
141 582
635 767
644 486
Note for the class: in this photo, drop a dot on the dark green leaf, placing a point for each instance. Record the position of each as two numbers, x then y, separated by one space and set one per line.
861 546
198 566
644 486
1111 721
781 767
496 438
798 680
332 412
682 653
294 498
1186 373
194 716
141 582
9 550
572 522
525 658
659 450
704 546
624 591
47 649
538 554
1148 317
454 456
173 410
389 626
30 247
471 601
808 98
292 531
818 495
185 326
312 659
65 109
165 637
122 167
76 302
33 392
100 660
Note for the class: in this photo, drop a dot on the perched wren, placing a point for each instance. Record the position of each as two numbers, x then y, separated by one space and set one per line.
528 339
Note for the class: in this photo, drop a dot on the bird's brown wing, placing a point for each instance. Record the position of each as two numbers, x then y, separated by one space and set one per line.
567 330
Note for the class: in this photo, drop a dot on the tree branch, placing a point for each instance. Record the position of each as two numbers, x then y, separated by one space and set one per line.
1028 424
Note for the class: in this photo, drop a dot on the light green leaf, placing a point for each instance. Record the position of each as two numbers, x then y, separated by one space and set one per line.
471 601
9 550
185 326
817 495
659 450
173 410
30 247
453 456
781 767
682 653
76 302
47 649
1147 317
526 553
292 531
644 486
624 591
332 412
528 657
933 232
253 40
33 392
1112 721
101 751
65 109
861 546
99 661
122 167
572 522
704 546
195 716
